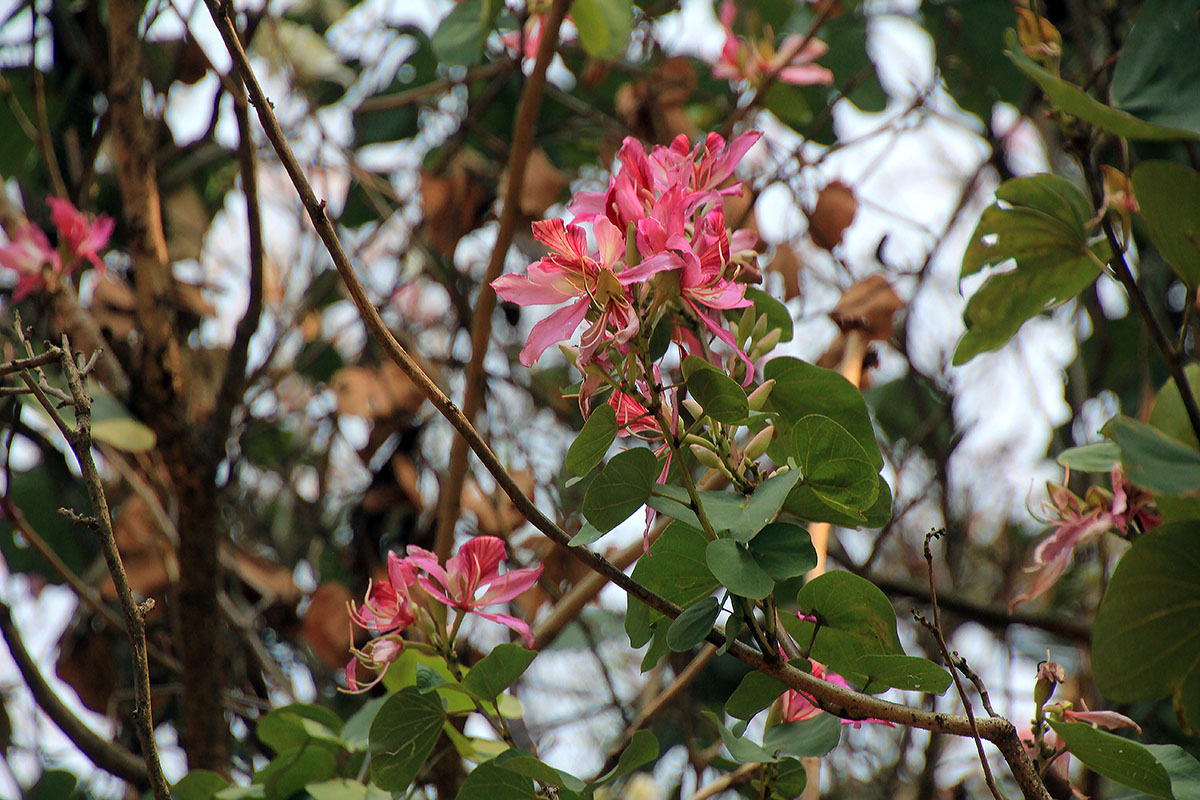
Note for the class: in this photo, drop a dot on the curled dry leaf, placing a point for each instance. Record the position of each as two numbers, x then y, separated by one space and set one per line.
452 203
836 206
325 625
870 305
149 558
544 184
495 513
653 107
272 582
787 265
87 663
375 393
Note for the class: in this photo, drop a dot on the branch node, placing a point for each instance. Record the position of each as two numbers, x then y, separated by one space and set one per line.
80 519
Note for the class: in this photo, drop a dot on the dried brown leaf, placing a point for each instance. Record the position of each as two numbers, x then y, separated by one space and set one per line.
787 264
836 206
326 625
870 306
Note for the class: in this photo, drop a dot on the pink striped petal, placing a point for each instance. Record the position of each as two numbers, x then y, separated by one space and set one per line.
555 328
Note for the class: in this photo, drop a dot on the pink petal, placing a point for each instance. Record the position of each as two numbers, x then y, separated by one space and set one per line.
504 619
478 561
555 328
610 241
1105 719
805 75
726 337
505 587
569 240
540 287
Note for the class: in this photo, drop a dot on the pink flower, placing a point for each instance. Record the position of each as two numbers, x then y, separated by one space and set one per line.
377 656
757 61
799 707
475 567
30 255
388 607
1104 719
83 238
594 283
1078 522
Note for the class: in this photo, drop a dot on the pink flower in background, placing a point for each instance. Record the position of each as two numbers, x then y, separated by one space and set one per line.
82 237
1077 522
755 62
475 568
30 255
799 707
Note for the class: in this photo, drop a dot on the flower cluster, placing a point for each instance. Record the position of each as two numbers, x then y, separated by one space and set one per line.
468 583
39 266
1078 522
661 247
799 707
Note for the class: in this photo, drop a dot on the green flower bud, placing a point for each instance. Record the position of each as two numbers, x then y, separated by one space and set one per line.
758 445
759 396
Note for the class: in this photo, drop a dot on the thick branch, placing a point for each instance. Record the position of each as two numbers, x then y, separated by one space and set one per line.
524 126
842 702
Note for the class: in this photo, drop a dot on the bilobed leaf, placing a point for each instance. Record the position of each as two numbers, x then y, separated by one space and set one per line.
692 626
283 728
835 466
428 679
740 748
737 570
1119 759
765 503
1153 460
802 389
1145 642
753 694
1168 195
621 488
1152 81
1096 457
721 397
496 671
911 673
604 26
199 784
491 781
1039 223
1075 101
676 569
784 550
291 771
722 508
810 738
593 441
805 504
402 737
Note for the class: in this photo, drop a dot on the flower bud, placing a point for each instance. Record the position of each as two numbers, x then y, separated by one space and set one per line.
707 457
760 328
699 441
693 408
759 396
758 445
781 469
741 328
1049 675
767 343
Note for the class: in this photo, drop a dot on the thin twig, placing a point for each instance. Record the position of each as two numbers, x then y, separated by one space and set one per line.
524 127
727 781
841 702
936 629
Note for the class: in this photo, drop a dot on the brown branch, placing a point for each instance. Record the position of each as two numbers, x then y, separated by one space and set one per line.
107 755
524 126
22 364
845 703
935 628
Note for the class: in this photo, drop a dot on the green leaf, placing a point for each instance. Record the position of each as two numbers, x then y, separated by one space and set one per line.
784 550
1075 101
403 673
722 508
461 34
1097 457
1151 80
604 26
804 503
734 567
345 789
1039 222
765 503
199 784
1169 197
496 671
740 748
970 55
790 105
522 763
789 780
593 441
676 569
1145 642
428 679
357 729
911 673
777 314
753 694
491 781
283 728
802 389
835 466
1119 759
291 771
692 626
642 749
1168 413
721 397
402 737
125 434
1153 460
621 488
1181 766
810 738
587 535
